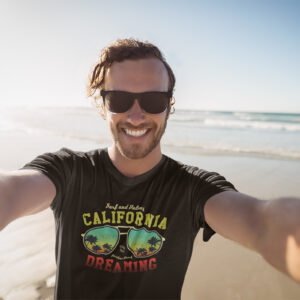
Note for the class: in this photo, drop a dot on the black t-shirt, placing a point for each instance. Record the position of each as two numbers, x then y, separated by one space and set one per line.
124 238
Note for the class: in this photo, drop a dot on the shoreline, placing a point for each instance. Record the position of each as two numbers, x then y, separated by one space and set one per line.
215 152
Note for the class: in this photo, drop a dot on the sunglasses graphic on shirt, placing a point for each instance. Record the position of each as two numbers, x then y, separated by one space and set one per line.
104 240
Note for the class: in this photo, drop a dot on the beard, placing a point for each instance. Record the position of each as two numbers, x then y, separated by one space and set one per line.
137 150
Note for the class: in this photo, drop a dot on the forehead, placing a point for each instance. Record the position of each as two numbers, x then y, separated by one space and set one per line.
137 76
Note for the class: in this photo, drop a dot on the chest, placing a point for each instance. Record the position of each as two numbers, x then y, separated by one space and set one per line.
130 228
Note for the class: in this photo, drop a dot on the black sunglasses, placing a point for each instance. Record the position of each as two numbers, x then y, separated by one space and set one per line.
150 102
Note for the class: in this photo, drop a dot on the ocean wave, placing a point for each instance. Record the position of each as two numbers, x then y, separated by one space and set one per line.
278 153
251 125
70 135
239 120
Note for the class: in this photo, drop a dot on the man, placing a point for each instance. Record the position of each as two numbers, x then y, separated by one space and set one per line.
126 217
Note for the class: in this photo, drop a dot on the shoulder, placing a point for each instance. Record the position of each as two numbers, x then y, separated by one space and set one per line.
81 155
191 172
201 181
66 158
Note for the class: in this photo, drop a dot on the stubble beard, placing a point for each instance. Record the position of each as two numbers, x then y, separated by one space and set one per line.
138 150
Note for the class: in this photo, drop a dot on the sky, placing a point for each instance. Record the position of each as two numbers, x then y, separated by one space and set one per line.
226 55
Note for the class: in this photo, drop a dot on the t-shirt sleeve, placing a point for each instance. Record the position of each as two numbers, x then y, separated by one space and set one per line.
57 166
208 185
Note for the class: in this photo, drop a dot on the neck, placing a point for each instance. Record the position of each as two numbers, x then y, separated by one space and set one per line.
134 167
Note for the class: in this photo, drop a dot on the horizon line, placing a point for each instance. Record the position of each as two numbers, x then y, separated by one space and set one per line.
178 109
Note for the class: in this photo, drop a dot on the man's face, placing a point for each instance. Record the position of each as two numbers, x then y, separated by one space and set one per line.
135 132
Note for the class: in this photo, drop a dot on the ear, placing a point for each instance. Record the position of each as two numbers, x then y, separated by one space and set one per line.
171 108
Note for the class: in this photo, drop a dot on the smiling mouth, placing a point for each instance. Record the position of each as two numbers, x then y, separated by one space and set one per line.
136 133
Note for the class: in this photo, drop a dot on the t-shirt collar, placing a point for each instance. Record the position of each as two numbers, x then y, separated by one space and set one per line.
130 180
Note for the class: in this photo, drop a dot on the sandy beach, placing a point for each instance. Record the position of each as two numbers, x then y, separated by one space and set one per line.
219 269
222 269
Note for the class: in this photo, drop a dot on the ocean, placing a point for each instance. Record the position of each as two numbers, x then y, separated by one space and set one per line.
259 134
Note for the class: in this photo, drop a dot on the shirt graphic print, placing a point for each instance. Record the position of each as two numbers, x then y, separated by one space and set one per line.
130 247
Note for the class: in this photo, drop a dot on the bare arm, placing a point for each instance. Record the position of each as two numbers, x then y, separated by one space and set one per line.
272 228
23 192
280 244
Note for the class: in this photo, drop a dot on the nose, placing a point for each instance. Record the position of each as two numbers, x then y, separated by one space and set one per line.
136 115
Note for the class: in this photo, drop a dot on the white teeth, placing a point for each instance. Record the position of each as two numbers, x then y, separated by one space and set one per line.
135 132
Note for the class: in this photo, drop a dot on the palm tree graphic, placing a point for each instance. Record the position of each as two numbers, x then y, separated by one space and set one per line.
141 251
152 249
153 241
107 247
91 239
96 248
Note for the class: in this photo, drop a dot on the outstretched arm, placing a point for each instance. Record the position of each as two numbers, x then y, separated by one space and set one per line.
22 193
272 228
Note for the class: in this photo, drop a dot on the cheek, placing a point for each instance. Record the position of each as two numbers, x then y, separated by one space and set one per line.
161 118
112 123
113 119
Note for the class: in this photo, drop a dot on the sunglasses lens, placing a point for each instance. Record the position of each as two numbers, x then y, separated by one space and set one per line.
118 102
154 103
101 240
150 102
143 243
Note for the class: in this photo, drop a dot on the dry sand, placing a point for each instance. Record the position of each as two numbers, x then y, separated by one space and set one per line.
219 269
222 269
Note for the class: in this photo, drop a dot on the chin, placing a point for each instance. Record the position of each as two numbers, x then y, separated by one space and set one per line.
131 150
135 151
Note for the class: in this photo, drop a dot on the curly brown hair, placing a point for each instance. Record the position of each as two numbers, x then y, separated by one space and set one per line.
119 51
